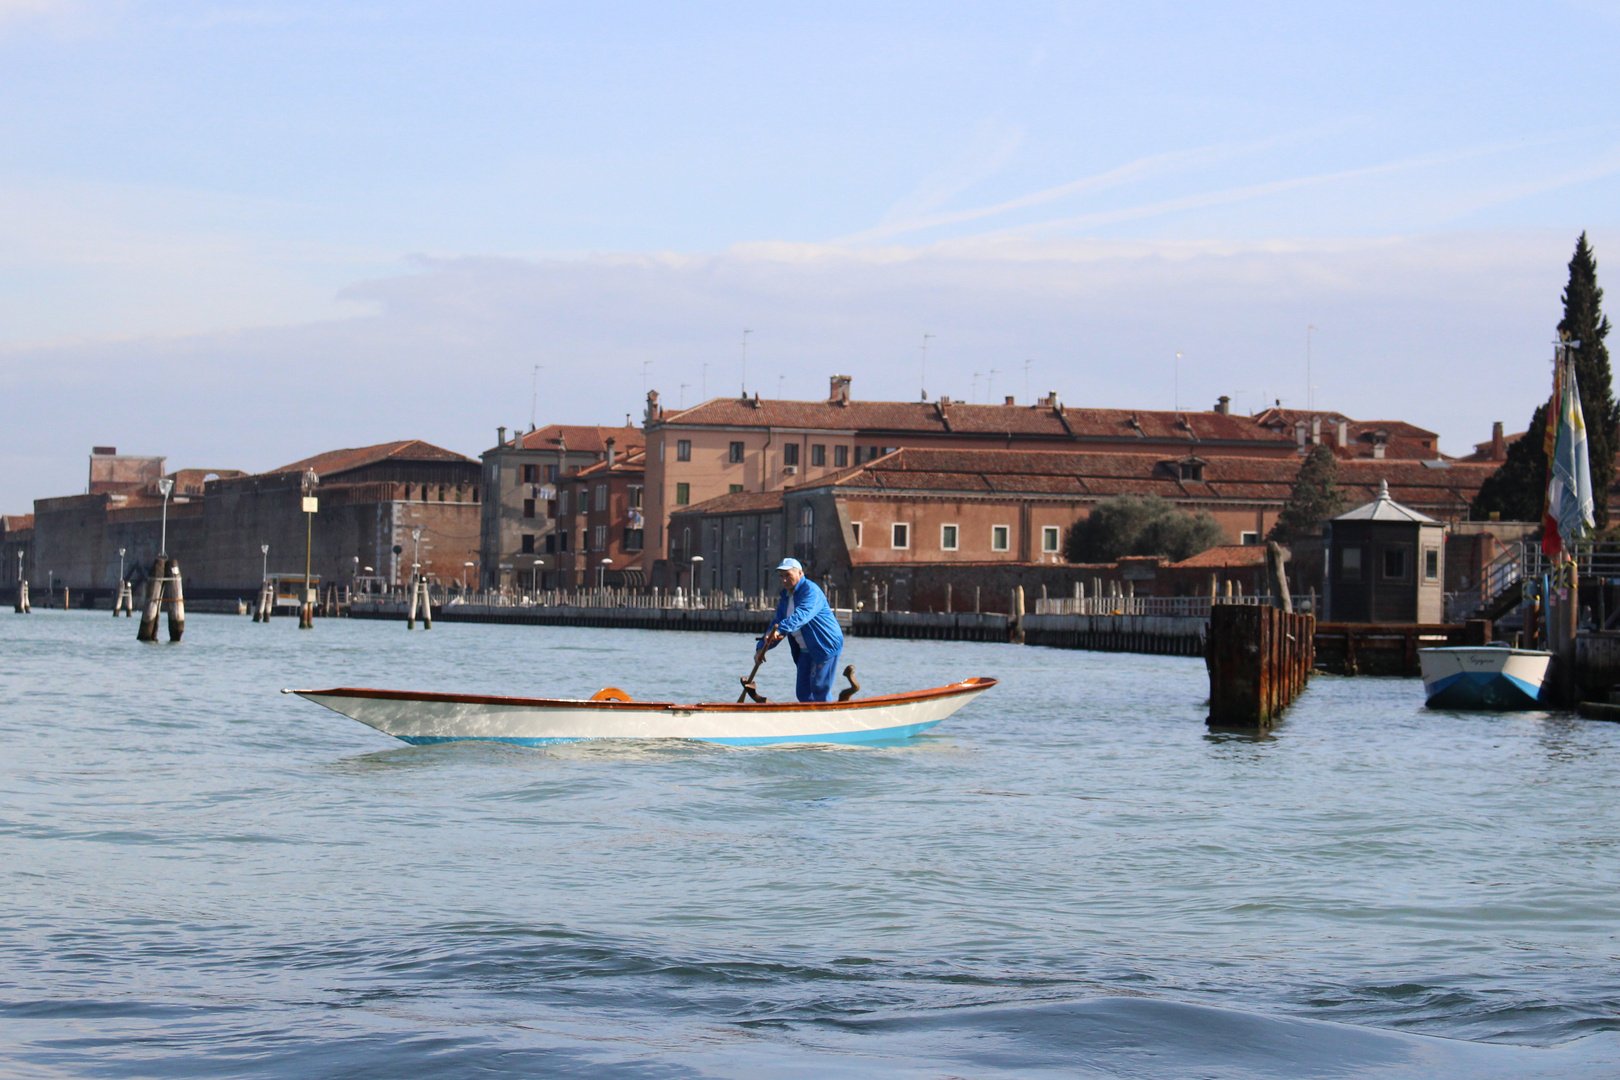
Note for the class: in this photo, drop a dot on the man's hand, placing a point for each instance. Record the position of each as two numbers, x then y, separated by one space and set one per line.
773 637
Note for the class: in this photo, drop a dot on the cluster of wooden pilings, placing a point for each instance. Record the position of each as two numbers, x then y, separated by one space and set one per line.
163 590
1259 659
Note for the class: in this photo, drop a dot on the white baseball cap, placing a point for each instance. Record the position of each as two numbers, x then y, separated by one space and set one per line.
790 564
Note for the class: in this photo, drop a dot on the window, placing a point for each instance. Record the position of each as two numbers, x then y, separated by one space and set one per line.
1431 564
683 494
599 539
528 543
1395 563
818 455
683 450
531 474
1248 538
765 536
807 524
855 530
736 453
551 544
601 496
790 453
632 539
947 537
1000 537
901 536
562 541
1049 538
1191 470
736 488
528 508
562 503
635 496
551 474
1350 564
840 457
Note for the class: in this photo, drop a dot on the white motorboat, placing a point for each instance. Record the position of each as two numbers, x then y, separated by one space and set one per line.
418 717
1483 677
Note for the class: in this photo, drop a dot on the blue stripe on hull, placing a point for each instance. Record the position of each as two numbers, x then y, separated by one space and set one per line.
1484 690
904 731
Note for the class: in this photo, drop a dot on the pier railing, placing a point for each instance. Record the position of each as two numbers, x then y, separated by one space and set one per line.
1193 607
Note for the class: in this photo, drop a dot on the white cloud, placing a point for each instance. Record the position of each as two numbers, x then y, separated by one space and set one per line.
1447 331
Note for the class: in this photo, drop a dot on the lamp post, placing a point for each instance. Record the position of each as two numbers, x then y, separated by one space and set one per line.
264 566
311 505
601 574
464 568
120 565
166 486
696 571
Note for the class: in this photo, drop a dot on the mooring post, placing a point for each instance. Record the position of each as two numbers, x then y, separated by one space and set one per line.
427 605
410 606
1277 577
147 631
176 599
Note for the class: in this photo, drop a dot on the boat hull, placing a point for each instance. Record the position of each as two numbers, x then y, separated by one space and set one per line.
423 718
1483 677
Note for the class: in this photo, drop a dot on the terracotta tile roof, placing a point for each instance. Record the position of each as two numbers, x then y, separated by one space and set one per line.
955 417
335 462
1223 555
16 522
1446 486
586 438
634 461
737 502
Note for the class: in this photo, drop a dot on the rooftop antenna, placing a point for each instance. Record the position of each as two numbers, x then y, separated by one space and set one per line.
684 385
534 394
1027 396
780 380
1177 406
644 365
977 375
746 332
1310 398
990 387
922 374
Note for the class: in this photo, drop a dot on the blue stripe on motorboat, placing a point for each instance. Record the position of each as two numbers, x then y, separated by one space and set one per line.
1482 690
903 731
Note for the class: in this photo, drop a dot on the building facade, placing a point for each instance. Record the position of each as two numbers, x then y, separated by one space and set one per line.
522 474
601 526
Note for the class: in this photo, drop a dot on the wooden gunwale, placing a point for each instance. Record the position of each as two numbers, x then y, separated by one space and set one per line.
966 686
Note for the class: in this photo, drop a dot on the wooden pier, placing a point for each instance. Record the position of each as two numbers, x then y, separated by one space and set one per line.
1259 659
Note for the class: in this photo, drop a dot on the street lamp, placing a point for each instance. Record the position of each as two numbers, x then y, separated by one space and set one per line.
464 568
601 573
696 571
264 568
165 485
120 565
311 505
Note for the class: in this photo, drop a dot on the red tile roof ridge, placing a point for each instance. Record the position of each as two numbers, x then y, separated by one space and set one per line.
1226 555
586 438
733 502
345 460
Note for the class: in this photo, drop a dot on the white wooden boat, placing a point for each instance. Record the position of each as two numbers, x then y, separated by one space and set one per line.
1483 677
421 718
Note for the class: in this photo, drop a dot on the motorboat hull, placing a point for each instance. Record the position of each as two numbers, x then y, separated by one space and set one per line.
422 718
1483 677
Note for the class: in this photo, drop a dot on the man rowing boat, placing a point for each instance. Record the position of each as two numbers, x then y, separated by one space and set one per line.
806 620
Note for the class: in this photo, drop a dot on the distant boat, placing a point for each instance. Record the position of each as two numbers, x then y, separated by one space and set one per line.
1483 677
420 718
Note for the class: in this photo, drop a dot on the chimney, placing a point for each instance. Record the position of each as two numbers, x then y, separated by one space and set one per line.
1498 443
611 453
1344 433
1223 405
1009 400
839 394
1299 433
500 436
1316 431
111 451
1378 450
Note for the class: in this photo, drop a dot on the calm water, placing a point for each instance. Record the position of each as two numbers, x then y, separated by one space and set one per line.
201 877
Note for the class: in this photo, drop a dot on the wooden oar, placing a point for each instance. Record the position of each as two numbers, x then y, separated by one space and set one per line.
748 690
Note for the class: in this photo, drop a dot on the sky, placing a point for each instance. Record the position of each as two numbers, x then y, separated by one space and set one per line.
238 234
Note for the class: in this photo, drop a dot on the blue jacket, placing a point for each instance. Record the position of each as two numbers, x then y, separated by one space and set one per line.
811 626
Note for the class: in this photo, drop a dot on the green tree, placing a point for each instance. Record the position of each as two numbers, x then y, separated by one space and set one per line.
1315 498
1517 490
1585 322
1133 525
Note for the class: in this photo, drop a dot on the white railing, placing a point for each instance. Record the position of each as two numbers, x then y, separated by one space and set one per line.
1196 607
711 600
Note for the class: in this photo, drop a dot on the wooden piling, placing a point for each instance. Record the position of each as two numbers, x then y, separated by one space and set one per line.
1259 659
147 631
175 597
23 606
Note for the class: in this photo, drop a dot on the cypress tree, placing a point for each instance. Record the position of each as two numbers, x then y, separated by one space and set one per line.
1585 322
1315 497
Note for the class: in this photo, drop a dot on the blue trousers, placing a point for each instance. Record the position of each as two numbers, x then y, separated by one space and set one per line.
816 674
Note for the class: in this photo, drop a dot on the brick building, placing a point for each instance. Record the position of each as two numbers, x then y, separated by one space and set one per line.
919 519
600 525
16 550
521 474
731 445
